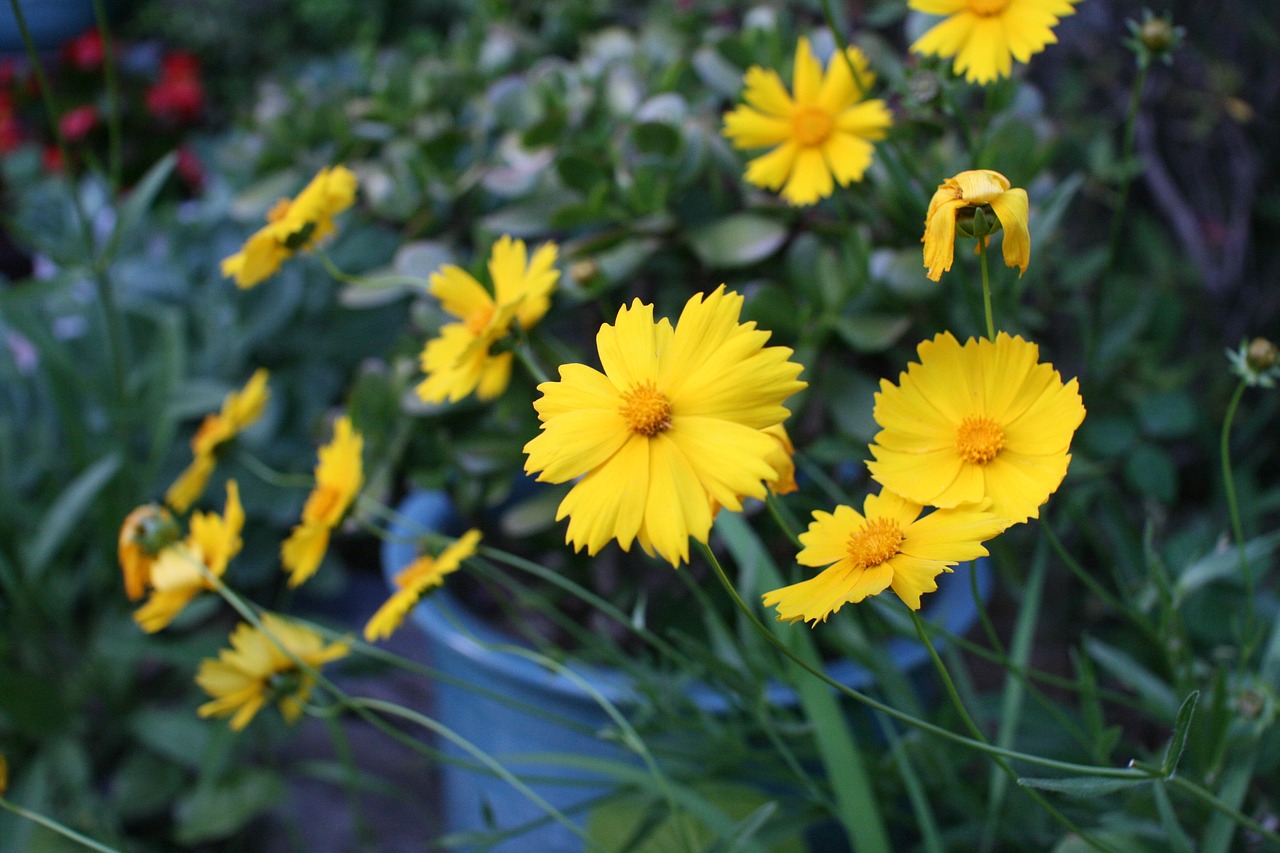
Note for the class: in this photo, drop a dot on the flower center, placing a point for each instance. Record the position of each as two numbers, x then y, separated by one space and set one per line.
479 320
987 8
279 210
978 439
811 126
646 410
874 542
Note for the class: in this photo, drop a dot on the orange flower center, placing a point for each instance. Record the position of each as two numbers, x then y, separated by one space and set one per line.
646 410
987 8
979 439
420 569
479 320
279 210
876 541
811 126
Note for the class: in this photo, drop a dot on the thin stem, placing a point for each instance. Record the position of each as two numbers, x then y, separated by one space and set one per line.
113 96
51 824
531 363
381 281
342 748
1218 805
781 518
1126 153
986 288
271 476
1237 527
988 627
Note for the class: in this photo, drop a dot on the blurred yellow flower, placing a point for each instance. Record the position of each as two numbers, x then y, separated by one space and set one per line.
4 775
458 361
293 225
239 410
982 421
414 581
985 36
674 425
820 137
339 477
255 670
974 189
212 540
145 533
887 545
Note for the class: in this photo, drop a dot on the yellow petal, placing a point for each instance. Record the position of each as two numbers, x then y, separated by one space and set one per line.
609 502
1011 209
747 128
806 80
765 91
810 179
459 293
771 170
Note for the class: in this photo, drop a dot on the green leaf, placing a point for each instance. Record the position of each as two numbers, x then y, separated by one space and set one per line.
1224 564
871 332
223 808
67 512
657 138
1150 471
140 199
1081 786
737 241
1171 414
1181 726
177 735
1158 695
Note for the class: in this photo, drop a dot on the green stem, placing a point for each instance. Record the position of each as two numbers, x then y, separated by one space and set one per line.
530 362
50 823
1237 526
113 96
342 748
381 281
986 289
1225 809
988 627
271 476
1126 153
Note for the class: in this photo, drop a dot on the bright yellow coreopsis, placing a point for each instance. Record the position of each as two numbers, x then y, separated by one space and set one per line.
983 421
339 478
293 225
239 410
423 574
458 361
887 545
985 36
821 132
673 427
255 670
975 189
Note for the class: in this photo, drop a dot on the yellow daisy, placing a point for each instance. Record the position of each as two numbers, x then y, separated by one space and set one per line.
255 670
339 477
145 533
239 410
212 540
674 424
458 361
820 137
293 225
976 422
966 191
887 545
985 36
414 581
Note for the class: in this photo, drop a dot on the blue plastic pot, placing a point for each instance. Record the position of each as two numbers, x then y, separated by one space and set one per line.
50 22
459 646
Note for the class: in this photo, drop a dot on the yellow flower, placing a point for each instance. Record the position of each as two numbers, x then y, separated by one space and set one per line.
255 671
145 533
339 477
414 581
674 424
458 361
974 189
975 422
819 137
887 545
293 225
4 775
239 410
176 579
985 36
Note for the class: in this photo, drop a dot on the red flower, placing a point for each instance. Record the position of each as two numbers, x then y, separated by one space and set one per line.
179 63
190 169
85 51
8 73
75 124
51 159
11 134
178 96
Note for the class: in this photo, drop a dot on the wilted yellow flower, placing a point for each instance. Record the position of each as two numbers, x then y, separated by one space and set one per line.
887 545
985 36
293 225
458 361
820 136
212 540
975 189
239 410
982 421
255 670
145 533
414 581
674 425
339 477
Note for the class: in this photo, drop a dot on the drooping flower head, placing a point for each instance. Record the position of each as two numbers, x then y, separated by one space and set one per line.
674 425
293 225
4 775
420 576
982 421
339 478
256 671
144 535
968 191
985 36
820 133
458 361
211 541
239 410
887 545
